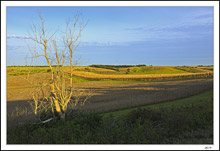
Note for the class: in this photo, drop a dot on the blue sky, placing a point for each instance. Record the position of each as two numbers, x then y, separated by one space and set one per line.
122 35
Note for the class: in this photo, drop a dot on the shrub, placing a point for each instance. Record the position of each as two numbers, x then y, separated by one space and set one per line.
185 124
87 69
49 70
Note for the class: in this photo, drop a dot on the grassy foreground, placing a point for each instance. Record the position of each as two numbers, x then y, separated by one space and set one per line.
185 121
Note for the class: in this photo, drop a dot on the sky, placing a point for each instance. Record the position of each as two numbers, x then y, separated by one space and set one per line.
163 36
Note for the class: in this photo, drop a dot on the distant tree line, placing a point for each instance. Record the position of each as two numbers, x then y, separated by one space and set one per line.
116 66
205 65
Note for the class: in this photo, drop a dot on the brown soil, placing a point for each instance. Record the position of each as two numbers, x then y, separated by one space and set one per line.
112 96
121 96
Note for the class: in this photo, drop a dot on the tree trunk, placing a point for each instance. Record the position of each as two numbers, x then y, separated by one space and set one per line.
57 106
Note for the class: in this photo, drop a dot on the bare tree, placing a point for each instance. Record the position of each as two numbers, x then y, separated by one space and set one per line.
61 93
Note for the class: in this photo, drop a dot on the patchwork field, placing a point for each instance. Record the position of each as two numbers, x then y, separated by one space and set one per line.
113 88
129 104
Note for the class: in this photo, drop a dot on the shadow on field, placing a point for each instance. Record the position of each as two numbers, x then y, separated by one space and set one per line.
111 97
116 98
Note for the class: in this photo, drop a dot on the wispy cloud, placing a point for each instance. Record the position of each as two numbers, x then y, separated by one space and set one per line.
86 43
60 42
83 43
201 18
191 25
18 37
208 15
200 21
13 47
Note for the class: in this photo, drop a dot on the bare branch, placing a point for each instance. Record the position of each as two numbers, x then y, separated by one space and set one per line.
61 93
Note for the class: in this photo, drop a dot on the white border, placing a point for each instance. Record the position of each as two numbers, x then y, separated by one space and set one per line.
4 4
216 75
109 3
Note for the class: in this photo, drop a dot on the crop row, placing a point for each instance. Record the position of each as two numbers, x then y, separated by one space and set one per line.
149 77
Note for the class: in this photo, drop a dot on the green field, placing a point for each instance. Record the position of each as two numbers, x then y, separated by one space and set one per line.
112 70
24 70
197 99
121 74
